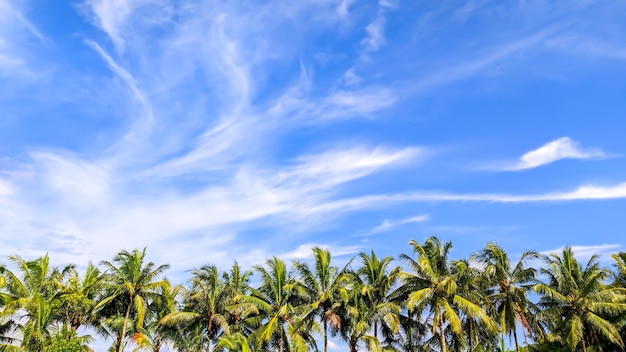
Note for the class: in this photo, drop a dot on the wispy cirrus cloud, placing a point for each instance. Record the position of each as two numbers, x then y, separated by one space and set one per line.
587 192
559 149
304 251
15 32
225 128
389 225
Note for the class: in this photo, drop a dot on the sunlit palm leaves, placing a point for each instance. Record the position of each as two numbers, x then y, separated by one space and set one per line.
132 284
578 303
431 287
511 284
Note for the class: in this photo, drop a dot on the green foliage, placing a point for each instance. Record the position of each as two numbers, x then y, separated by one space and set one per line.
428 303
68 341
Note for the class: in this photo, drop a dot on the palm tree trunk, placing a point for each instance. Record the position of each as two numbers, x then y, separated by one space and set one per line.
325 335
442 337
352 344
515 338
470 336
120 339
282 340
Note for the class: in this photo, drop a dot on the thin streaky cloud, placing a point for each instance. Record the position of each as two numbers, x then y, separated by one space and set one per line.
229 137
111 16
588 192
472 67
7 9
559 149
388 225
304 251
137 137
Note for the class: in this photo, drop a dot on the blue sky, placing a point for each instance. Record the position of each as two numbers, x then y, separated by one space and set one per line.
213 130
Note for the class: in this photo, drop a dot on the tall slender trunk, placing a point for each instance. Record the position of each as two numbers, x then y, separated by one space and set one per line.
442 337
157 345
515 338
471 336
209 326
120 338
353 343
282 340
584 345
325 335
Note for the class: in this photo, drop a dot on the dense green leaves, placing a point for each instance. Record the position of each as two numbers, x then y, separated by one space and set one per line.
424 302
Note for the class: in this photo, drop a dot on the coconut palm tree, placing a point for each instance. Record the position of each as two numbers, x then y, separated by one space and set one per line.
30 300
131 285
272 310
432 287
79 296
153 336
324 289
234 342
577 303
356 324
620 269
376 278
369 310
474 285
207 303
511 283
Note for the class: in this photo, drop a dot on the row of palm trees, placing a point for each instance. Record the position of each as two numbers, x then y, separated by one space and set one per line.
423 302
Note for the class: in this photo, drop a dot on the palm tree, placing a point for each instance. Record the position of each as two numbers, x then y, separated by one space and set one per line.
79 296
512 285
474 285
207 304
577 302
620 269
132 285
324 287
620 281
271 309
155 335
30 300
376 279
369 309
235 342
432 286
356 323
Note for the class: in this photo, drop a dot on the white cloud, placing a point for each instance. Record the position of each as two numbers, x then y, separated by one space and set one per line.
351 77
338 166
304 251
343 9
588 192
136 140
112 16
194 166
388 225
77 181
474 66
562 148
16 33
5 188
375 34
584 253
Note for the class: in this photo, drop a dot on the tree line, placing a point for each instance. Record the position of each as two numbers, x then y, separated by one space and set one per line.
422 301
